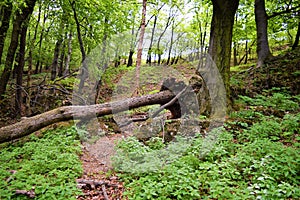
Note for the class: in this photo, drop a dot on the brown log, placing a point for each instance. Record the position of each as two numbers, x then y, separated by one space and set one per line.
65 113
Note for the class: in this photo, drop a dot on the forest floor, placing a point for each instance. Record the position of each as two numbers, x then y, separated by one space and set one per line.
100 181
246 80
97 166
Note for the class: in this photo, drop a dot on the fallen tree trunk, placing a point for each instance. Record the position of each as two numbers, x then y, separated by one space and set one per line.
65 113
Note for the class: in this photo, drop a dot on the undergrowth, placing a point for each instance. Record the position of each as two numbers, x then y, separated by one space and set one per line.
49 166
256 156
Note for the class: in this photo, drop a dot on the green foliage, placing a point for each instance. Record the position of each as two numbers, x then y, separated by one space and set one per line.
111 74
256 157
68 82
48 165
278 100
261 169
272 128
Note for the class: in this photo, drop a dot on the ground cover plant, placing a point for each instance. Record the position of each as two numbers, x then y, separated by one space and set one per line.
48 166
256 157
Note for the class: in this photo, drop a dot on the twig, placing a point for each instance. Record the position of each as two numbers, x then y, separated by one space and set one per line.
104 192
93 184
163 129
11 177
134 120
29 193
65 76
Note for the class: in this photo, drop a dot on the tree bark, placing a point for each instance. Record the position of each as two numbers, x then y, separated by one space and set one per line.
296 38
263 50
55 59
19 72
140 47
22 15
130 58
235 54
159 51
61 60
5 19
84 69
221 38
171 44
38 67
142 33
151 41
246 52
65 113
68 57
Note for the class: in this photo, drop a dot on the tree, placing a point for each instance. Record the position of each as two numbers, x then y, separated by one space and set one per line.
296 38
156 13
200 27
140 45
221 38
84 70
263 50
19 70
22 14
6 11
68 57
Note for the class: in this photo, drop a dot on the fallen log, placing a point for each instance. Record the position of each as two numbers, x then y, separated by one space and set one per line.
65 113
176 96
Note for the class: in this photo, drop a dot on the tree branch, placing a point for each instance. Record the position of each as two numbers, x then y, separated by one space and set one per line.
288 10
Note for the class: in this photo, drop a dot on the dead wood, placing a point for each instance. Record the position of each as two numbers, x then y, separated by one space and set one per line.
30 193
65 113
104 192
168 97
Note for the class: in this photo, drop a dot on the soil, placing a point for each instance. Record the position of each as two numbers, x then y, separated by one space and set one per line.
96 161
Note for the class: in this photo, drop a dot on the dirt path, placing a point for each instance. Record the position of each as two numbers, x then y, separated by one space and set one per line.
98 181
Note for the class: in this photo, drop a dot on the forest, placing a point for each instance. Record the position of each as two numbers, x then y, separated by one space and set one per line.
148 99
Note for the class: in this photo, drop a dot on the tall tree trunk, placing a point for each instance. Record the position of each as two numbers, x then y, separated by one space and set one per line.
55 59
130 58
235 62
297 38
61 60
203 34
171 44
84 69
30 62
19 72
160 37
38 67
221 38
68 57
235 47
5 19
103 65
246 52
32 43
151 41
149 56
140 46
132 45
263 50
22 15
